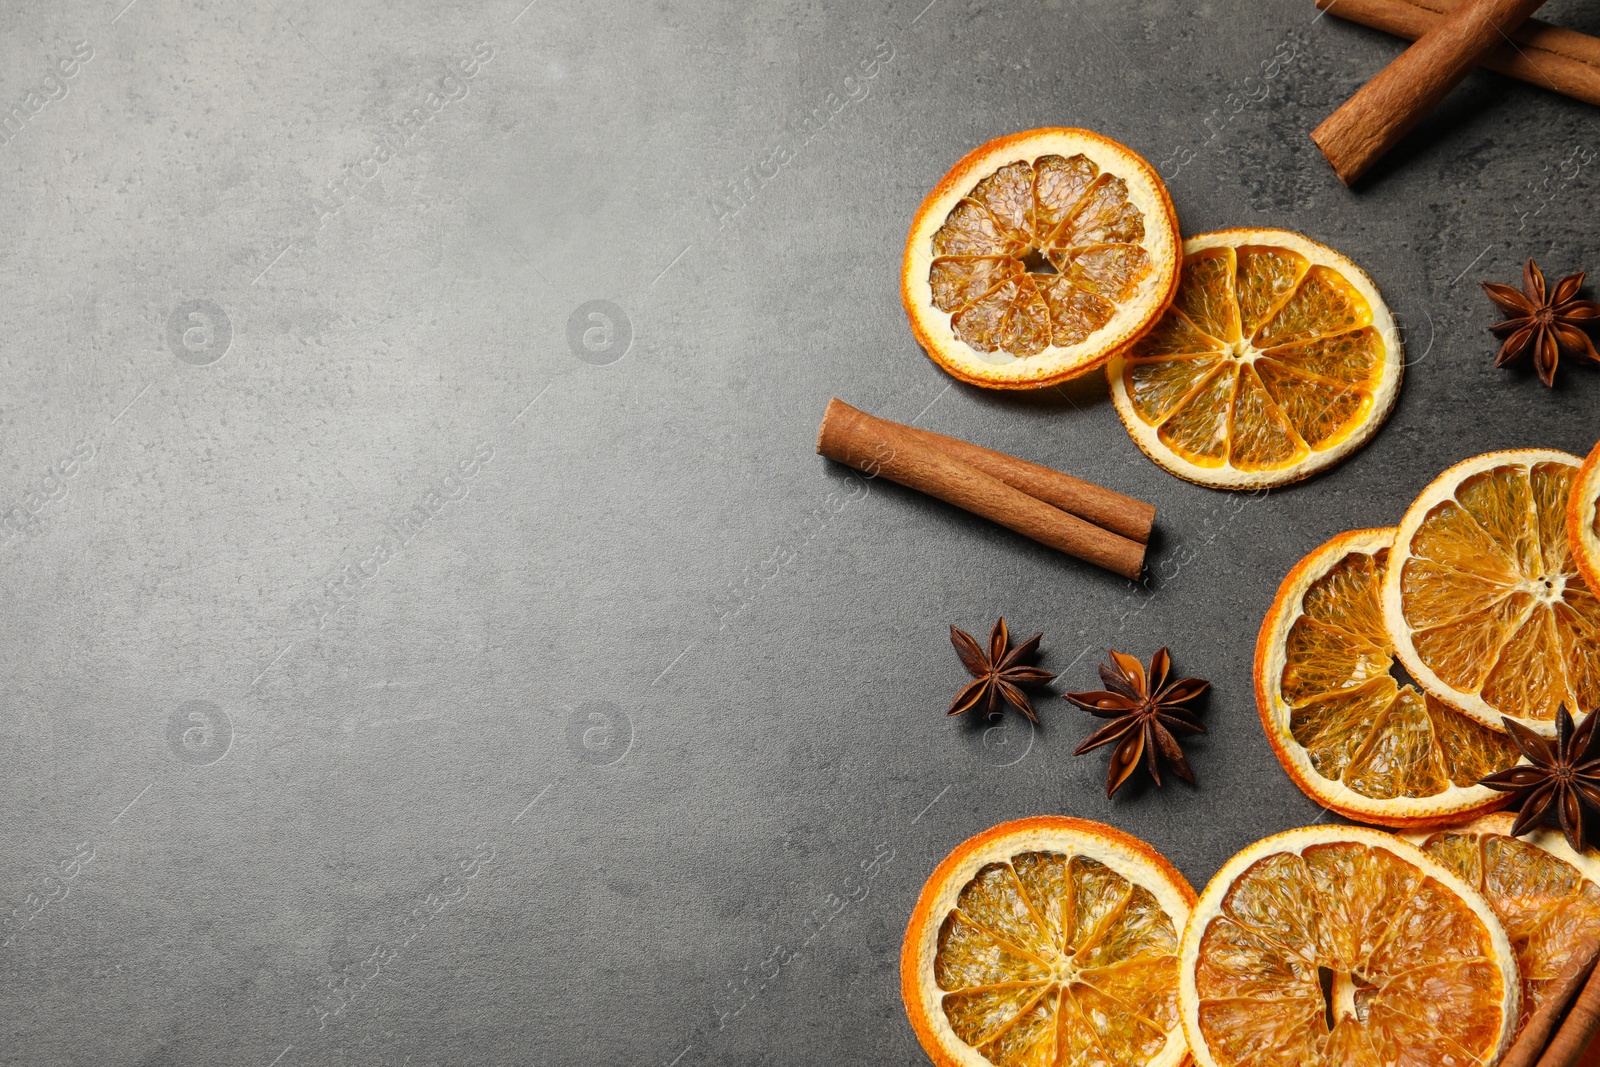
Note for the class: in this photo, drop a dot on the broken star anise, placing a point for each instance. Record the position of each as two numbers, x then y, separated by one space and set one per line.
999 675
1564 776
1545 325
1145 711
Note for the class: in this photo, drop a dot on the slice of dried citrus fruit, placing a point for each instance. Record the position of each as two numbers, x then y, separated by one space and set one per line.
1044 941
1542 892
1583 521
1339 945
1277 358
1351 735
1482 596
1037 256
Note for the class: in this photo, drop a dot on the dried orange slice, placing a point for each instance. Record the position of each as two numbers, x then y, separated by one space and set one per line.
1043 941
1356 739
1543 893
1482 596
1339 945
1037 256
1277 358
1583 521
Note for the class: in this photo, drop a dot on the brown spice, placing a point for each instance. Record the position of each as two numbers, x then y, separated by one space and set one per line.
1538 53
1385 109
1146 711
1564 776
885 449
1544 324
999 675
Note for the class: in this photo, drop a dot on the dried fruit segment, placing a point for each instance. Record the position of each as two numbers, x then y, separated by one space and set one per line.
1198 429
1174 335
970 230
977 1015
1317 409
1550 910
1045 955
959 280
1323 304
1349 734
1059 185
1345 595
1109 271
1321 659
1484 595
1011 316
1007 195
970 956
1037 256
1313 362
1332 946
1074 313
1105 215
1262 438
1402 755
1266 277
1155 387
1353 359
1205 294
1333 728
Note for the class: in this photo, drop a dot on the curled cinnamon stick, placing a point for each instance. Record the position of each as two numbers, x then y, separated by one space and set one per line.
1106 508
1385 109
885 448
1578 1027
1538 53
1530 1043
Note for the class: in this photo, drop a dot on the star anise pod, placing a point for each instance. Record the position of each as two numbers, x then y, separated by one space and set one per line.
1565 777
997 676
1546 326
1145 711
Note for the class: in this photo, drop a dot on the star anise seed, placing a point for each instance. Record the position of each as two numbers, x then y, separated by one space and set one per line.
1546 326
1146 711
1565 777
997 676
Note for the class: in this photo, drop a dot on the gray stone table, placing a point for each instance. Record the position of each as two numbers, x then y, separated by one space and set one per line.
428 635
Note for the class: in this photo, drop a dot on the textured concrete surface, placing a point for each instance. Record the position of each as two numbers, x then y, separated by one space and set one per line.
428 635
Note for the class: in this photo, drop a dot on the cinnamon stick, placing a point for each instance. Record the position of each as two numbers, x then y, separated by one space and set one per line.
1104 507
1538 53
1579 1026
1530 1043
884 448
1385 109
